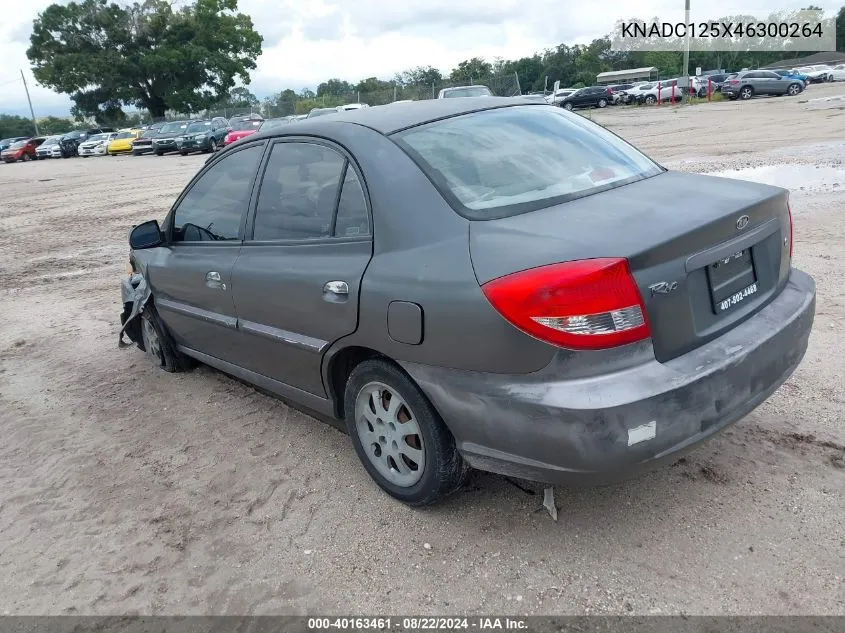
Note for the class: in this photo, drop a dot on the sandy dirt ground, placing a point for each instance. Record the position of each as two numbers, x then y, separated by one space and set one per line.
124 489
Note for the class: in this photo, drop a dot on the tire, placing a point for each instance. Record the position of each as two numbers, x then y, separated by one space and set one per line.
157 342
159 153
793 89
26 158
183 153
212 146
567 106
602 103
442 471
702 93
746 92
650 99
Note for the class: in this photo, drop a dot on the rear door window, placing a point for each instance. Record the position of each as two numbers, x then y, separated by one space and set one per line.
504 161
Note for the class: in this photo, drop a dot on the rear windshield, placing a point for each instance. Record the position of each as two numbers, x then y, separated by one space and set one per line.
506 161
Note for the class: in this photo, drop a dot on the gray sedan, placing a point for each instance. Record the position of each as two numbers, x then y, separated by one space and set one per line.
760 82
477 282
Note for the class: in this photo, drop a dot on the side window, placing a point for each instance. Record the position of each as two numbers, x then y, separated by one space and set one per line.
213 208
352 217
298 192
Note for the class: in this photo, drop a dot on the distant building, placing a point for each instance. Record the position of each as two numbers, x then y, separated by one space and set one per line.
626 76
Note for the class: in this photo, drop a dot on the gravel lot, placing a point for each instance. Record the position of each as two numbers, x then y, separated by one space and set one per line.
127 490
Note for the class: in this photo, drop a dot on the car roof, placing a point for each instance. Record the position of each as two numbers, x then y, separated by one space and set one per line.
401 116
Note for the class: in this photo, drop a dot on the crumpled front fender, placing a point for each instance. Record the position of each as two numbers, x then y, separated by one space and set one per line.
135 291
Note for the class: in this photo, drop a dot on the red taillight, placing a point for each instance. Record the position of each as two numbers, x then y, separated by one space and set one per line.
789 211
587 304
733 81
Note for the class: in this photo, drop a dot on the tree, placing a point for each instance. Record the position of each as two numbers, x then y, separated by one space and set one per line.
471 70
840 30
152 54
334 87
12 125
54 125
419 76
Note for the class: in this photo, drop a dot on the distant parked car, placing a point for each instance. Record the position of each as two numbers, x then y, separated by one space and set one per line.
241 128
465 91
649 93
165 140
50 148
6 143
617 92
122 142
270 124
792 73
816 74
559 95
203 136
96 145
760 82
23 150
144 143
245 117
591 97
70 142
838 72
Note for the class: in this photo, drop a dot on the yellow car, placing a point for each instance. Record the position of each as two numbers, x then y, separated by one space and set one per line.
122 143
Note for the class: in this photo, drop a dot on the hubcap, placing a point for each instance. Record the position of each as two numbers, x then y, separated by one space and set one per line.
151 340
389 434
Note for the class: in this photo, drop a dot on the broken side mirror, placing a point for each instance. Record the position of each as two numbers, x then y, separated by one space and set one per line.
146 235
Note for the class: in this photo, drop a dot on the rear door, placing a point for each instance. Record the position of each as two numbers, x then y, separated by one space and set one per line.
191 277
297 279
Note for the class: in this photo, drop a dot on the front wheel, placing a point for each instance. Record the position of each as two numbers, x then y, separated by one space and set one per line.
212 146
26 158
567 106
158 344
159 153
400 438
602 103
183 153
793 90
650 100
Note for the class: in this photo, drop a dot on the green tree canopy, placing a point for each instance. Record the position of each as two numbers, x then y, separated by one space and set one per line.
11 125
475 69
152 54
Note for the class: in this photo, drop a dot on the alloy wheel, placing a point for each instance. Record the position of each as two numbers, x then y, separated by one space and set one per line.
151 340
390 434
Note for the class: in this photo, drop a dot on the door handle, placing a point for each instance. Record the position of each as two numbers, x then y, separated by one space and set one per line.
336 287
212 280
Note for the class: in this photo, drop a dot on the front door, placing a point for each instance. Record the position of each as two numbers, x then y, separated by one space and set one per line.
297 279
191 277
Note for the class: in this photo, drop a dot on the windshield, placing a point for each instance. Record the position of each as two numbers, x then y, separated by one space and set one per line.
248 124
18 144
511 160
52 140
173 128
148 133
471 91
199 126
121 135
269 124
99 137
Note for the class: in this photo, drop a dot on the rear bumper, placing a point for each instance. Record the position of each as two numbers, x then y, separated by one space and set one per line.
585 430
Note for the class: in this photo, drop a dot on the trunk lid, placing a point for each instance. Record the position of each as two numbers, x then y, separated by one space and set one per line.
706 252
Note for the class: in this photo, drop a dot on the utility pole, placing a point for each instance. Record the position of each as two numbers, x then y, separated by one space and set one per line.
686 50
31 111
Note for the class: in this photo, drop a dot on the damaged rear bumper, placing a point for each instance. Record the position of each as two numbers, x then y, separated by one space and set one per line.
550 427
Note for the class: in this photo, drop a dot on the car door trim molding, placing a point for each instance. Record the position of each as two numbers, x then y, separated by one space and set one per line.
197 313
305 398
307 343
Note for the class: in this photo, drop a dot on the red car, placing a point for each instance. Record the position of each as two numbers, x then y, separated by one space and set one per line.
241 128
22 150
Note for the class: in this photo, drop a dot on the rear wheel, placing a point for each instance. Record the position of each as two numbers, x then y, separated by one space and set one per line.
26 158
159 153
746 93
183 153
212 146
400 438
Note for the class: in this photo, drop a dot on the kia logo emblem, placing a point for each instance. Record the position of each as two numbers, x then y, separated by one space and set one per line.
742 221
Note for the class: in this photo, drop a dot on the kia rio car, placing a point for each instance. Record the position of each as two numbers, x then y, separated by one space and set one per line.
477 282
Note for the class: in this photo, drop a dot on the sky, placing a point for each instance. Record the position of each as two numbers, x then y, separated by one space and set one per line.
309 41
